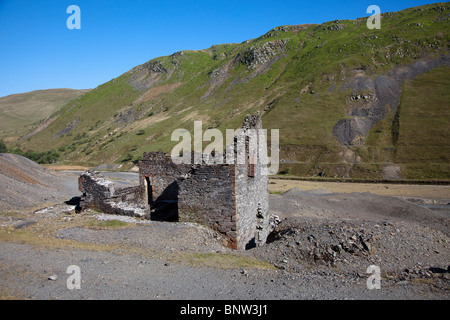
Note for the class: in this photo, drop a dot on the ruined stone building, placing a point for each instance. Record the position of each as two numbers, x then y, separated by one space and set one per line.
231 199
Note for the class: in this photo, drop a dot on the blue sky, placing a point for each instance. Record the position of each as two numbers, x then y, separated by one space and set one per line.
38 51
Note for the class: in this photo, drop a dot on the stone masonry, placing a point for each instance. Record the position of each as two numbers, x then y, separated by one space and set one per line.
100 193
230 198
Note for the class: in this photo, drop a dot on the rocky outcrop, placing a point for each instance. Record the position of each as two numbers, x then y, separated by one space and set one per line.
146 75
255 56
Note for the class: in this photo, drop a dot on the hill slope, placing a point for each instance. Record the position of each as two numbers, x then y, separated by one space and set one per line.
21 112
347 100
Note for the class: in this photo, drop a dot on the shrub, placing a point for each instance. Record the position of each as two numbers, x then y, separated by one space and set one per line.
137 159
127 157
3 147
39 157
17 151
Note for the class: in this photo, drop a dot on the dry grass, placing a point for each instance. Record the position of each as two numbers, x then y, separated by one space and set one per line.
154 92
20 112
224 261
47 241
40 235
396 190
65 168
109 224
146 122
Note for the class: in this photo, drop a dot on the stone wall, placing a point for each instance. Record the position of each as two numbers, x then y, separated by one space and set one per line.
251 188
95 190
161 173
206 196
128 194
231 198
100 193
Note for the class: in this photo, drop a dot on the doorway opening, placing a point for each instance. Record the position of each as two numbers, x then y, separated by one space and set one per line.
149 188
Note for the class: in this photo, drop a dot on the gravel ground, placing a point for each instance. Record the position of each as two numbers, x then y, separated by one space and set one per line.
413 261
27 271
321 250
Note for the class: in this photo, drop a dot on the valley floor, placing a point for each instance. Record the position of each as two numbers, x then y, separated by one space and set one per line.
321 250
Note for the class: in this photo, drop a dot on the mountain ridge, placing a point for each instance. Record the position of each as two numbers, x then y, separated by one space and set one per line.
316 83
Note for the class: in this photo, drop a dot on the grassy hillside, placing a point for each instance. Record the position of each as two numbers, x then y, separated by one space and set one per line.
21 112
425 105
346 99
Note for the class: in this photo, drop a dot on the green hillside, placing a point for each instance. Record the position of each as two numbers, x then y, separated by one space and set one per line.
348 101
21 112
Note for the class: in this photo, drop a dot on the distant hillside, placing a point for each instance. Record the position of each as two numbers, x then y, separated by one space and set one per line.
21 112
349 101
